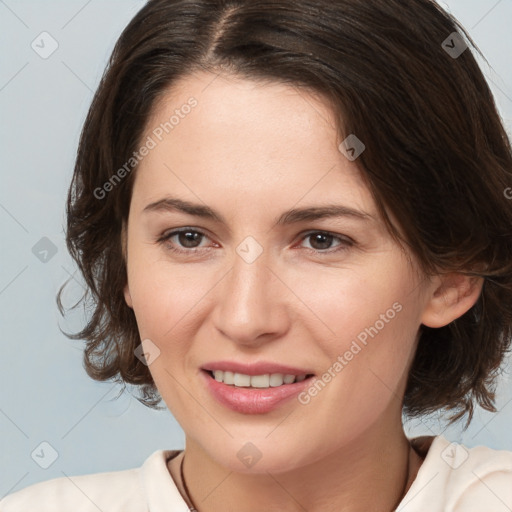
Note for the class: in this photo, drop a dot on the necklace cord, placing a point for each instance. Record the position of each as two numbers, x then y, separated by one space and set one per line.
192 507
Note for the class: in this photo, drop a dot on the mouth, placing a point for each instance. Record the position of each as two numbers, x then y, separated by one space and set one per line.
258 393
262 381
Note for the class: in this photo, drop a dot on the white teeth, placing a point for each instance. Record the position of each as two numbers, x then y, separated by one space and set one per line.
288 379
256 381
276 379
260 381
242 380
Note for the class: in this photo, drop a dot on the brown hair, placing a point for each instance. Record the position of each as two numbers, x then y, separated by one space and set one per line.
437 158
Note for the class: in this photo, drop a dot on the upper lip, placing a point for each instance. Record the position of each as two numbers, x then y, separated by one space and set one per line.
257 368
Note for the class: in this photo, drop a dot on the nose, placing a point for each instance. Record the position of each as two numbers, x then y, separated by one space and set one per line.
251 308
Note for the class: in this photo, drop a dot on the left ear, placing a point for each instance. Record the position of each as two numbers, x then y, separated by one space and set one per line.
454 294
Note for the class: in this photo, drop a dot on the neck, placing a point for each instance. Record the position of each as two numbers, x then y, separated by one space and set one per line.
374 473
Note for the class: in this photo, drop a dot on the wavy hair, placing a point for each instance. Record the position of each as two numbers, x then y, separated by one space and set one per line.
437 158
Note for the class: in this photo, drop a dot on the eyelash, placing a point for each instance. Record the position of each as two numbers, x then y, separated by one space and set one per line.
344 245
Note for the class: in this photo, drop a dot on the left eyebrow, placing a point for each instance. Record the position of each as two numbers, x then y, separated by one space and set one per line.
292 216
321 212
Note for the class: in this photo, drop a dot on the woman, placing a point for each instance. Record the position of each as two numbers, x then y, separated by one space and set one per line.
293 223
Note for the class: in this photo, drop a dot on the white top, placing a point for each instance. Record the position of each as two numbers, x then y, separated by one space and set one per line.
452 478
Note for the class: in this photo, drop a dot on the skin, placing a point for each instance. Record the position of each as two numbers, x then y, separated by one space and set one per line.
251 151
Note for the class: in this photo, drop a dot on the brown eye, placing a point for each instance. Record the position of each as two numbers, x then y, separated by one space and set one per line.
189 238
321 241
183 240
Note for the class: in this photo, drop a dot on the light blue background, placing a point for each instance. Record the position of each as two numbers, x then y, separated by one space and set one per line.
45 393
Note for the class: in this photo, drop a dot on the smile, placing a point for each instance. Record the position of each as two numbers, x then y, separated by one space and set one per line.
253 394
256 381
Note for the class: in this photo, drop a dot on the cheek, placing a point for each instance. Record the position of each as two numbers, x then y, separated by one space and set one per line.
166 299
164 295
359 303
371 319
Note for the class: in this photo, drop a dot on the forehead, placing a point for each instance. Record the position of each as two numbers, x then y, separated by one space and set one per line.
251 139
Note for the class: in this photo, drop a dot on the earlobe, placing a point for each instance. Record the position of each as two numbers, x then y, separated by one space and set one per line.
454 295
127 296
126 291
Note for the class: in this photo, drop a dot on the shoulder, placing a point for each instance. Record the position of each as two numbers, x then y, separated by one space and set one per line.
481 478
85 493
461 479
113 491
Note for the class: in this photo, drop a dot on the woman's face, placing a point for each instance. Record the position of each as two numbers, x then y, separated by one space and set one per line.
257 285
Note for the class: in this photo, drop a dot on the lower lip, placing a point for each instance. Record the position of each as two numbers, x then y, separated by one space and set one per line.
252 400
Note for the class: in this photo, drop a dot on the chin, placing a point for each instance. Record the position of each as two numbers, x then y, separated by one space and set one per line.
260 456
